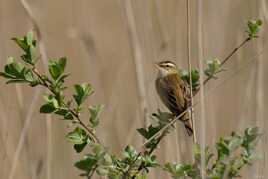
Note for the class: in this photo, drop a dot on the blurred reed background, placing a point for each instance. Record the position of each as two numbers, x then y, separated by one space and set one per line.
113 45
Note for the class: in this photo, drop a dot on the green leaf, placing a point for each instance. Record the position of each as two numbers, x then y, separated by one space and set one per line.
130 154
21 42
235 142
162 118
253 28
87 163
47 108
65 113
107 159
185 75
16 81
28 45
57 67
213 67
180 170
54 70
51 100
102 171
97 149
171 168
94 114
222 148
62 63
150 161
6 75
149 132
251 134
18 73
30 77
14 68
30 38
80 147
68 116
77 136
82 92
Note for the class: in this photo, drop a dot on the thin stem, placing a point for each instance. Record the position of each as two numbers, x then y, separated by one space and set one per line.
93 136
90 175
228 57
190 69
166 126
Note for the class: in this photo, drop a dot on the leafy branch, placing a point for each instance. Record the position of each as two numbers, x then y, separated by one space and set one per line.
55 102
99 160
130 164
27 73
232 154
215 66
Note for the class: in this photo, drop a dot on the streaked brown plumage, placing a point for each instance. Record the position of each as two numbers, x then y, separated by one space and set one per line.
173 91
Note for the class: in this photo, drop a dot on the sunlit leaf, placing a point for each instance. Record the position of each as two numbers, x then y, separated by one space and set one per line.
82 92
77 136
94 114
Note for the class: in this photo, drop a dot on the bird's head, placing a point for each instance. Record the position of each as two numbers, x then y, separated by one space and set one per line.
166 68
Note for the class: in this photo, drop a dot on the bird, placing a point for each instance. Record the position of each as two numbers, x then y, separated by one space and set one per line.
173 91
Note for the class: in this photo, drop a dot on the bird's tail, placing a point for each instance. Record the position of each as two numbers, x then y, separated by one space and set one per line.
188 125
189 129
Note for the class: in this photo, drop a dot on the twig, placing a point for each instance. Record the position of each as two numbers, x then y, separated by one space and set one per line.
228 57
167 125
90 175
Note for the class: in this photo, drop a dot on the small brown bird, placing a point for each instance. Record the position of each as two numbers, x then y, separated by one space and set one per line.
173 91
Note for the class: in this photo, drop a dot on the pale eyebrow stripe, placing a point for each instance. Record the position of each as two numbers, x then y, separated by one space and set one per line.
170 64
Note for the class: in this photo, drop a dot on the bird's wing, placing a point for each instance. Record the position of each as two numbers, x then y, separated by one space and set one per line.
177 91
175 94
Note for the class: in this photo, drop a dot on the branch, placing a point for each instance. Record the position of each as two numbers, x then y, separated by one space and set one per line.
74 113
90 175
227 58
166 127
